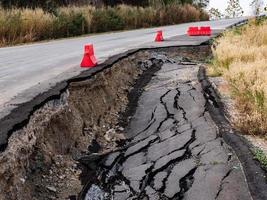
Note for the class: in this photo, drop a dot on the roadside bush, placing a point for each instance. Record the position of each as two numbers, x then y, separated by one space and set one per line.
11 27
85 11
106 20
68 24
19 26
35 24
28 25
129 15
241 57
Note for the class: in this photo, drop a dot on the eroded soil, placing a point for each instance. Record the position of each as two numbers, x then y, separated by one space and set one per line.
40 160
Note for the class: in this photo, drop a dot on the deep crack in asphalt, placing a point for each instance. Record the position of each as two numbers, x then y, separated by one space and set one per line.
174 149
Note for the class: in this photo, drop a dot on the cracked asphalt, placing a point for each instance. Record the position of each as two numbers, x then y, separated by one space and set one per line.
175 150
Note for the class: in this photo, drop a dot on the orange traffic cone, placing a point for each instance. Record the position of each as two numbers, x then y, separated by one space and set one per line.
89 59
159 37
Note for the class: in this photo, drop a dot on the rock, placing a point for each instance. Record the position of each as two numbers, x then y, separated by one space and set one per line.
121 129
95 193
22 180
62 177
111 135
51 188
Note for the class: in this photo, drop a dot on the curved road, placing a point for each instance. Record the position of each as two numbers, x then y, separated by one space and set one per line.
26 71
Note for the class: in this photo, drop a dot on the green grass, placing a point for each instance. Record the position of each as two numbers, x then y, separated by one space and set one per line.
260 156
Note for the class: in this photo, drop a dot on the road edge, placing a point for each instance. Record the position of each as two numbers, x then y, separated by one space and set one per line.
255 175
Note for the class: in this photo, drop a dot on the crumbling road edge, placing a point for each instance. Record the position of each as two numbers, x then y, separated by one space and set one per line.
20 115
255 175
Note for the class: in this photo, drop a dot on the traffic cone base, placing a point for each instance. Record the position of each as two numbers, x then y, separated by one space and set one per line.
88 61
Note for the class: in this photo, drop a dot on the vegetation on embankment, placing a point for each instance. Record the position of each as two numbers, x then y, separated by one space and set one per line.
21 25
261 157
240 55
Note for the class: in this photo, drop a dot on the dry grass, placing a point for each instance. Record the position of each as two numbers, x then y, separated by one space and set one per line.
23 26
27 25
241 57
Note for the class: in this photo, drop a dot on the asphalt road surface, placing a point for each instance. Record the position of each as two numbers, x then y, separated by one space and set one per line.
175 151
26 71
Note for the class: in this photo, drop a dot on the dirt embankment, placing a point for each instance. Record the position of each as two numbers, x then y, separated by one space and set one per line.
39 161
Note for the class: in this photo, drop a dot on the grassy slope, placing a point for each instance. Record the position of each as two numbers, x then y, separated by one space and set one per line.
241 57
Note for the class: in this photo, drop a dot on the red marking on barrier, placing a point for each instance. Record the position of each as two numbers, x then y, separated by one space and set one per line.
196 31
89 59
159 36
192 31
205 30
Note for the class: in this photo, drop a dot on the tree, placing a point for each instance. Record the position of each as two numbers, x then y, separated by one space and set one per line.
32 3
214 13
201 3
130 2
234 9
257 6
166 2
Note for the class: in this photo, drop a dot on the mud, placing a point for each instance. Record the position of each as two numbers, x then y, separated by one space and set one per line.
43 159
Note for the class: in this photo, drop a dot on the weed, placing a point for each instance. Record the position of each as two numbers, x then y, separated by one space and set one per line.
260 156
